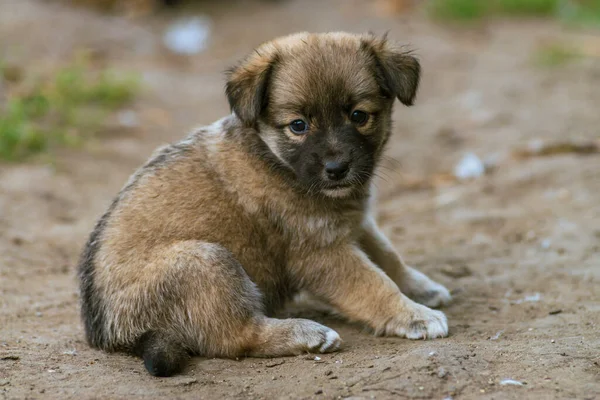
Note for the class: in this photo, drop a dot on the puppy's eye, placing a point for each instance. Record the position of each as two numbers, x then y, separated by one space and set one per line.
359 117
299 127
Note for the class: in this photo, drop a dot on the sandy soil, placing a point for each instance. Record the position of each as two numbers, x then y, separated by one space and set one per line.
519 247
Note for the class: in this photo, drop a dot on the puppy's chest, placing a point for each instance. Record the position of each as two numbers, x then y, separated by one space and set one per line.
316 230
321 230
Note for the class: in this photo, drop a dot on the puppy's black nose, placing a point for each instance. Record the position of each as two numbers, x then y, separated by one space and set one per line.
336 170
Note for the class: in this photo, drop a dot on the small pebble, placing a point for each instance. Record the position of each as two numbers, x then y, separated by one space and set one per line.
275 364
497 335
511 382
189 36
529 299
128 119
456 271
469 167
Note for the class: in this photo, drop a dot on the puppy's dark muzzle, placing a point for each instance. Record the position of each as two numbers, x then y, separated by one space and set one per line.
336 171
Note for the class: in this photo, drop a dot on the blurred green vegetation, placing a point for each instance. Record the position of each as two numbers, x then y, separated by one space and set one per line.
556 54
58 109
586 12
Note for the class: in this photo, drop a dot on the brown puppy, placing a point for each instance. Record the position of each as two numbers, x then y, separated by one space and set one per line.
212 235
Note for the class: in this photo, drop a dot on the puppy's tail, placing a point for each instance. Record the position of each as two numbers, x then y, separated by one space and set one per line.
162 355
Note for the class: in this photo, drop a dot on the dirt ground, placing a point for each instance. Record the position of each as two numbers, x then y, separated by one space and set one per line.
518 247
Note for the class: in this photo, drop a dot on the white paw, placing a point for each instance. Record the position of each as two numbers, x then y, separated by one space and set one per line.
418 323
420 288
314 337
333 342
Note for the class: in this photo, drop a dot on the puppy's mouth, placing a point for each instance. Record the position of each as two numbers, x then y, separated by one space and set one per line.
337 189
337 185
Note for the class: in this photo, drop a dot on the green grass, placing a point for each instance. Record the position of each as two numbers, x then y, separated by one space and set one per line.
61 109
555 55
527 7
577 11
581 13
18 136
459 10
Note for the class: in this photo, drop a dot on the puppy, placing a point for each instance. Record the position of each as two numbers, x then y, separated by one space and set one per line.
214 233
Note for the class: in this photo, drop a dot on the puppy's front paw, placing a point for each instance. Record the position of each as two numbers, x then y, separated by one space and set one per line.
418 322
313 337
420 288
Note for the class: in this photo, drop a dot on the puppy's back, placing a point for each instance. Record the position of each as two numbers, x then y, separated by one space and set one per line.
92 264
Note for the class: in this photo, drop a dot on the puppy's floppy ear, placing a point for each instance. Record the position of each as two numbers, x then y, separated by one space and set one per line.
398 72
247 84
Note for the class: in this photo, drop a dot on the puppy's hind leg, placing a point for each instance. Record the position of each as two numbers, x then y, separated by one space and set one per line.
196 297
293 336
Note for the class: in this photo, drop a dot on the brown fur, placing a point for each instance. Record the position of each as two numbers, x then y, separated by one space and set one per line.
216 232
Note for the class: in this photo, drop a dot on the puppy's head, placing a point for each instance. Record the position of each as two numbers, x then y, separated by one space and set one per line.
322 104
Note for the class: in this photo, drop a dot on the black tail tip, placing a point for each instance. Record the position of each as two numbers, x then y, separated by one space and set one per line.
162 356
162 365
